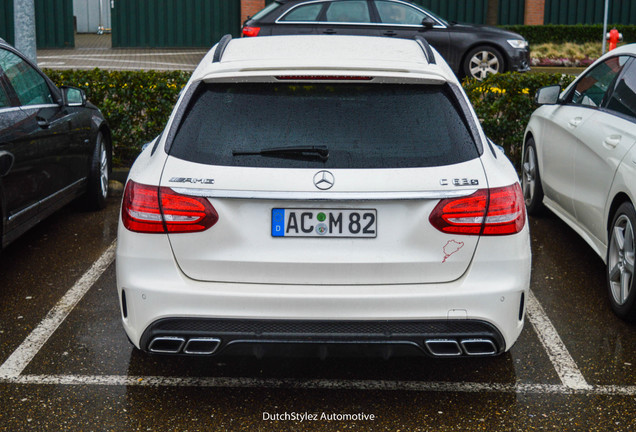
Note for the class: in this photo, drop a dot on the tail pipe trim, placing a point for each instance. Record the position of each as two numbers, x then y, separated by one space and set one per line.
166 345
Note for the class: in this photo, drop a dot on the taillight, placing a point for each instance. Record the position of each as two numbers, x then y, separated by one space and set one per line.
251 31
151 209
496 211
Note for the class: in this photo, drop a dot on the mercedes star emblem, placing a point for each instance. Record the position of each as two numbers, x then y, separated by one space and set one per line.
324 180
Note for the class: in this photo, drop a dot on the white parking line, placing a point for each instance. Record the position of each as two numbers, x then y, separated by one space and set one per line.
314 384
97 58
23 355
572 380
559 355
139 67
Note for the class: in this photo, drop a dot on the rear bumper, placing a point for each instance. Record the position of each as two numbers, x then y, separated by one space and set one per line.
206 336
487 302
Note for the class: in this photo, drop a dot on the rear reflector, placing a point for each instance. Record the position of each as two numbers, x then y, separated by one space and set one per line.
497 211
151 209
251 31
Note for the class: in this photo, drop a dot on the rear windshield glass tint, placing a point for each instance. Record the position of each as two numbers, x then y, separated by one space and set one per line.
361 125
267 9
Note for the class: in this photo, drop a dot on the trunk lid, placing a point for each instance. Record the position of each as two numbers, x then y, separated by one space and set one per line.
400 247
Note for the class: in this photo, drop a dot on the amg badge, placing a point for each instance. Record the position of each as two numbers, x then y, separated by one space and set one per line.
191 180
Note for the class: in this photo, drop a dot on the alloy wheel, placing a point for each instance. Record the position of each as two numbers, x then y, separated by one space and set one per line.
620 262
529 174
103 168
483 63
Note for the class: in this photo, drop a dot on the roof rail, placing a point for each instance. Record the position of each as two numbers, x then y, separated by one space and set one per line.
423 43
220 49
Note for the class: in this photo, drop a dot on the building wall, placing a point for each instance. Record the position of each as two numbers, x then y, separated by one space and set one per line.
250 7
511 12
534 13
589 11
53 23
6 21
174 23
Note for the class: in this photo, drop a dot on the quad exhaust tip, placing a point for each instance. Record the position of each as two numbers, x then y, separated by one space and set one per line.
209 345
177 344
166 344
478 347
202 346
443 347
454 348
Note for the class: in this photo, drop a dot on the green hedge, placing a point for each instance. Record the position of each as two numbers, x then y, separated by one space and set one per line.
504 103
138 104
552 33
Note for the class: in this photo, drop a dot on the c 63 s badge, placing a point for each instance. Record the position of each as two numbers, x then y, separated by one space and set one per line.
459 182
191 180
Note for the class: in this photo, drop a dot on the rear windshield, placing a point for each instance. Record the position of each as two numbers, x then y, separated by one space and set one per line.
358 125
267 9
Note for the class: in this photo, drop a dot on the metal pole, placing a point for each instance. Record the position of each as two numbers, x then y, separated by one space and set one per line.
100 28
24 23
605 24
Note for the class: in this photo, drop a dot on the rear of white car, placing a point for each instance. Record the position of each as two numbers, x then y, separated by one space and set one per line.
323 192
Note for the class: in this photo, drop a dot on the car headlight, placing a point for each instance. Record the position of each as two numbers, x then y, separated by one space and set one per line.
518 43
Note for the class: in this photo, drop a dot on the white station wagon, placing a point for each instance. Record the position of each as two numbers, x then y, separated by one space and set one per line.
318 195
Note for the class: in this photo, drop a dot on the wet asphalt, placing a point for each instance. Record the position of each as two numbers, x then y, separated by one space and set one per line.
87 377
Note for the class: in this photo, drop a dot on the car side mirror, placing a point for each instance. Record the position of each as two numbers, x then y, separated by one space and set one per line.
428 22
73 97
6 163
548 95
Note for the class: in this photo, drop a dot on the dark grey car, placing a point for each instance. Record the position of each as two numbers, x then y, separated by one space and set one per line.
470 50
54 146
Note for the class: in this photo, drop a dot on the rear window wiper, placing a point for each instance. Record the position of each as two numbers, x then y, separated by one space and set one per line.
295 152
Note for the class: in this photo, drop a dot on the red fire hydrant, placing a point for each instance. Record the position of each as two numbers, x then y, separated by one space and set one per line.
613 37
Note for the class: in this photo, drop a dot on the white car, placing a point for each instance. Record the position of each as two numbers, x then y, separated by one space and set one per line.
311 193
579 160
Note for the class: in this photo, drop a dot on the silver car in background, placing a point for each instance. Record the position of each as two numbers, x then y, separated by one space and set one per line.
579 160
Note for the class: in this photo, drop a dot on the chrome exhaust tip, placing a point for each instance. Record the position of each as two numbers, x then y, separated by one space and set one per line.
479 347
166 345
443 347
202 346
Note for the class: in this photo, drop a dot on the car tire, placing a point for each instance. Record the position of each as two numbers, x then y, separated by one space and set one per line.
482 61
531 180
99 174
620 263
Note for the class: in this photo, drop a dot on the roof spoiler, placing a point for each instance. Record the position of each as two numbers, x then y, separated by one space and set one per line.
428 52
220 49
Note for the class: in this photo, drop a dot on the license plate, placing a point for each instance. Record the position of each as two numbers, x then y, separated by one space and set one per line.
304 222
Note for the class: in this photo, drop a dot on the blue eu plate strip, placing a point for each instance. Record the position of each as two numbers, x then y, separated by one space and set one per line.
278 222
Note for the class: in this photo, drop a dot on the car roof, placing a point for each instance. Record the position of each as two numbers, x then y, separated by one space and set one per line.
335 53
625 49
